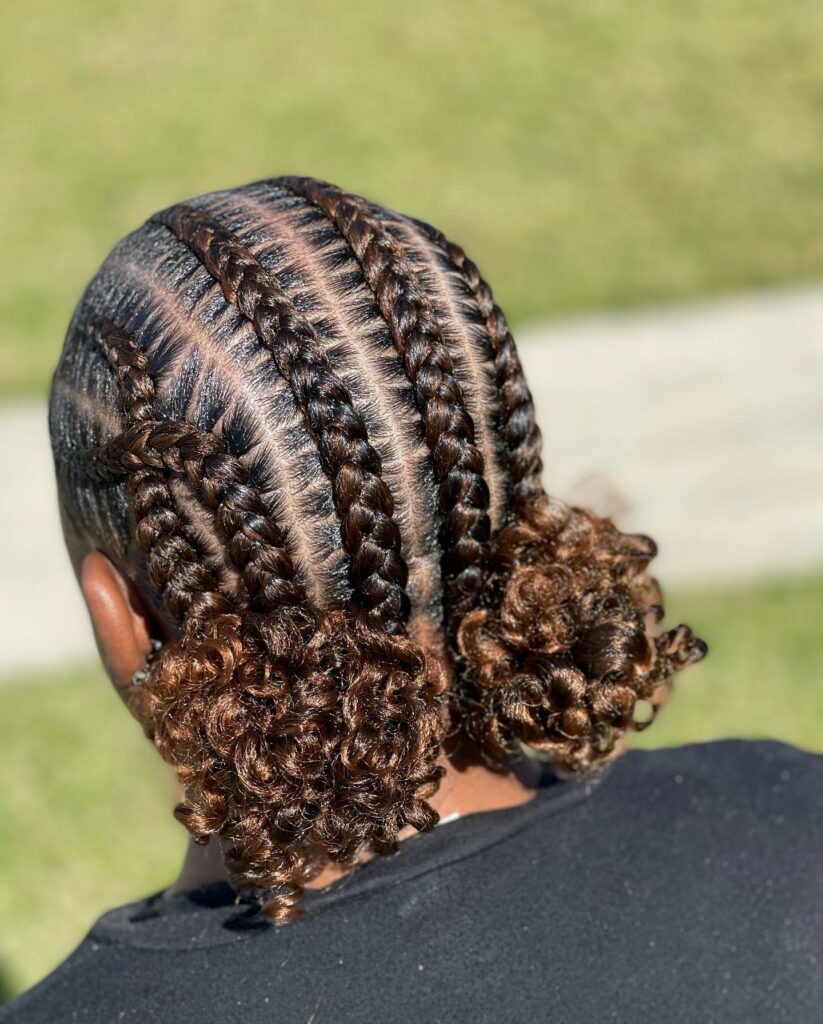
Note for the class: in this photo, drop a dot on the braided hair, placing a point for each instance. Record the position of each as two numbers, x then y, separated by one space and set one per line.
298 423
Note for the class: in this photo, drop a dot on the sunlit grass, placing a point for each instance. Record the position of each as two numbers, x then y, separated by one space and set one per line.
84 802
589 154
764 672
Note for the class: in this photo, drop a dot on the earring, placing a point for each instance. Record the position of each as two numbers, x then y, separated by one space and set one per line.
142 674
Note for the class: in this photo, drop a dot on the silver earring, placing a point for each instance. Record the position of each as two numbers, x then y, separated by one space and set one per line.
142 674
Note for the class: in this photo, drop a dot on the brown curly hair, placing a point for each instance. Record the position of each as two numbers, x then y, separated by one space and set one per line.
298 423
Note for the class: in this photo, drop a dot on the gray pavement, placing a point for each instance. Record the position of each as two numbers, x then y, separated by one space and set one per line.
702 425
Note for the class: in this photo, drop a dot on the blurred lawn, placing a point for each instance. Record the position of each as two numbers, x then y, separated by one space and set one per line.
86 825
590 154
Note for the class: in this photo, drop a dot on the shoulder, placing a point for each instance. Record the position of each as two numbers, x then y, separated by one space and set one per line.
142 954
51 998
710 856
750 803
749 776
725 760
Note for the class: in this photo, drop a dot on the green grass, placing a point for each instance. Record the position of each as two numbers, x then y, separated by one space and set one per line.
764 672
85 802
589 154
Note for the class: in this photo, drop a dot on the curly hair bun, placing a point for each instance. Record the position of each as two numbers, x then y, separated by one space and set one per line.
296 737
566 645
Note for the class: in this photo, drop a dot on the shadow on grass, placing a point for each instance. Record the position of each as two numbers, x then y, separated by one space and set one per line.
7 989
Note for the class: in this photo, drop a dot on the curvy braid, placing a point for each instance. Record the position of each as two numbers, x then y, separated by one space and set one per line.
254 542
222 701
190 594
369 532
175 566
517 424
463 493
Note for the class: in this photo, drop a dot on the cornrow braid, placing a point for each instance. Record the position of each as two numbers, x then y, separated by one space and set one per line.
175 566
369 532
568 686
253 540
517 424
463 493
367 701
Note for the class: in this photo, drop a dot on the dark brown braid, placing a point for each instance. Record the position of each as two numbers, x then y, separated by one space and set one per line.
253 541
219 700
517 424
369 531
176 568
464 495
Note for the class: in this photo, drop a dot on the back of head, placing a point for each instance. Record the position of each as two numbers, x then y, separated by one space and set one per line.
297 423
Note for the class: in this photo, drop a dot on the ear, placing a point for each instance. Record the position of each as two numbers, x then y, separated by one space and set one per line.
121 624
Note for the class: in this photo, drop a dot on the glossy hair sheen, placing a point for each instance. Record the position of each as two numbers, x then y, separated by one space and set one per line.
298 423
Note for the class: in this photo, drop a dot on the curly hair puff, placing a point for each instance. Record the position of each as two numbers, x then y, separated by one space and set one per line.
295 737
566 646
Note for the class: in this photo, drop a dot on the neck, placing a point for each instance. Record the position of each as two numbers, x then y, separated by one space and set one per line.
467 787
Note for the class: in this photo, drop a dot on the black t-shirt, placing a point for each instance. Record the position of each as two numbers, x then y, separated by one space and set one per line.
680 885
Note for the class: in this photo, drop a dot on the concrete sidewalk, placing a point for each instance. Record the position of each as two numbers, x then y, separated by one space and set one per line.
702 425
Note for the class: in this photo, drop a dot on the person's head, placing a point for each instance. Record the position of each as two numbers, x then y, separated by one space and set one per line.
295 448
